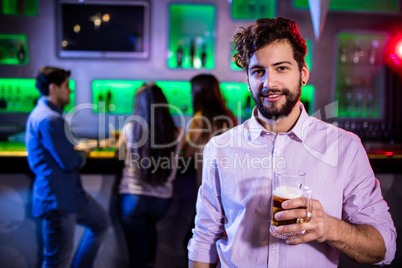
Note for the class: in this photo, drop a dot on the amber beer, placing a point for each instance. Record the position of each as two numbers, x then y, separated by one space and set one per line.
280 195
288 184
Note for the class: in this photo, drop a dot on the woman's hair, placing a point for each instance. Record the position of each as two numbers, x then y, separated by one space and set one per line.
48 75
264 32
207 99
156 135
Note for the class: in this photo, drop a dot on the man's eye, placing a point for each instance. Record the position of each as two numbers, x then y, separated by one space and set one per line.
257 72
282 68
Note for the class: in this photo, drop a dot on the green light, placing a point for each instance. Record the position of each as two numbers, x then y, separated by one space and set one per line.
178 95
21 95
391 6
191 32
114 96
237 98
18 7
13 49
307 98
253 9
358 87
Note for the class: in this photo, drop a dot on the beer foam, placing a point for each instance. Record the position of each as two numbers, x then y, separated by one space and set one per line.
288 192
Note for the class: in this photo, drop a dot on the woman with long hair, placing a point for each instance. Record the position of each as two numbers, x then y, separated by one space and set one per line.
152 142
211 117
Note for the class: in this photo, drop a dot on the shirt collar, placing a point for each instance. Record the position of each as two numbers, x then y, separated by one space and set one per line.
54 107
255 127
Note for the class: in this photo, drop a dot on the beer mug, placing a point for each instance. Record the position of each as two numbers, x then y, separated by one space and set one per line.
288 184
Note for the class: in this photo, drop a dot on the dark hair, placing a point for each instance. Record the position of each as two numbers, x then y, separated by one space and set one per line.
264 32
161 131
207 99
48 75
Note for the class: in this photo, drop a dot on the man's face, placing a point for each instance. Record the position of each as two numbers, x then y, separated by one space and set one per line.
275 80
62 96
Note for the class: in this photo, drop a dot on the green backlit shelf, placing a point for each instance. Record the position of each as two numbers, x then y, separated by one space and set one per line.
19 95
117 97
253 9
191 36
384 6
20 7
359 84
13 49
114 96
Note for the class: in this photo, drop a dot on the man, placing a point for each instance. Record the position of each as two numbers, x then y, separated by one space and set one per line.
233 206
58 196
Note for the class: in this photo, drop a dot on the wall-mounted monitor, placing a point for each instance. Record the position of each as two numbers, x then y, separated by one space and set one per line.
103 29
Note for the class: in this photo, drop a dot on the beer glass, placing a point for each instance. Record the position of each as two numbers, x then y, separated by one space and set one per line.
288 184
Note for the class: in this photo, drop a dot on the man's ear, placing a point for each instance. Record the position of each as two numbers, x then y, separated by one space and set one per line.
305 73
52 89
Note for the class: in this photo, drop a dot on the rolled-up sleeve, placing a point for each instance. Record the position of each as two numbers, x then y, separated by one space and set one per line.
209 219
363 201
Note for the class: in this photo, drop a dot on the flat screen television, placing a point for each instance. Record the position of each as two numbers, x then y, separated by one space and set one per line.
103 29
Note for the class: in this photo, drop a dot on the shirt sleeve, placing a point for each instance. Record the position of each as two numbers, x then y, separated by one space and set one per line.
55 141
210 217
363 201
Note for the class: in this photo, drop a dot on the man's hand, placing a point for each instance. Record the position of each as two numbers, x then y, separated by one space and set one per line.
318 228
362 243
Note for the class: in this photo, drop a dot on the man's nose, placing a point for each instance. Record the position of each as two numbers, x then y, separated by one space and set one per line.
270 81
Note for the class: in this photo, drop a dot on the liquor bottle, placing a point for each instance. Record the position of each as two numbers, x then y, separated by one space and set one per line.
370 102
343 53
21 54
3 102
109 101
21 6
348 102
192 52
357 52
373 52
204 55
101 104
359 102
179 53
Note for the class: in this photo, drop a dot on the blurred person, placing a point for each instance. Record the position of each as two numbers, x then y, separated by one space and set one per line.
211 117
232 223
152 143
58 196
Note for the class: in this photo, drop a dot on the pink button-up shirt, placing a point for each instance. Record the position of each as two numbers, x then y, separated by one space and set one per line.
233 206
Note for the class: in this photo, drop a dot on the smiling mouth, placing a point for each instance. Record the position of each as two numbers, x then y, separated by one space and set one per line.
273 95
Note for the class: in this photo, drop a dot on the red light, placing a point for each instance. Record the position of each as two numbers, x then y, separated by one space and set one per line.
398 49
393 53
389 153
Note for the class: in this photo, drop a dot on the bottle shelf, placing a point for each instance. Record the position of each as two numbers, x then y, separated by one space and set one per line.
20 7
19 95
120 95
253 9
191 37
359 84
14 49
390 6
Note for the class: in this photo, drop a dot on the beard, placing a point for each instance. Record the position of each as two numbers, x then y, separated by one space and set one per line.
274 111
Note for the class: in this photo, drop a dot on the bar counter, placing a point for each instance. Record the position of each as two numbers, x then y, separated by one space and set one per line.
384 158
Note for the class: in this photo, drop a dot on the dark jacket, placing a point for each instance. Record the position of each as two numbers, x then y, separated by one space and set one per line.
52 158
